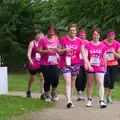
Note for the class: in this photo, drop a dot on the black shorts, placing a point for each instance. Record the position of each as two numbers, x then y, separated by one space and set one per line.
34 72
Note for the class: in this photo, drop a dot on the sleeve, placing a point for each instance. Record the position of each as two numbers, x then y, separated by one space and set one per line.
41 43
86 46
104 48
103 41
61 41
81 42
118 46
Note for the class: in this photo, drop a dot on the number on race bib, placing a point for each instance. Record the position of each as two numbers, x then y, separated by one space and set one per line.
110 56
37 56
52 59
95 61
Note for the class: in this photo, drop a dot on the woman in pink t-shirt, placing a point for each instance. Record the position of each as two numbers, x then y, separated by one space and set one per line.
113 54
70 46
97 58
81 79
49 63
34 63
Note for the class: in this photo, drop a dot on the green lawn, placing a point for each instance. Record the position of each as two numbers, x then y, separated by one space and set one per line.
19 83
14 105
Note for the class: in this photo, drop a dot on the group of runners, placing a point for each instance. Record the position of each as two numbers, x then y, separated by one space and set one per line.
79 60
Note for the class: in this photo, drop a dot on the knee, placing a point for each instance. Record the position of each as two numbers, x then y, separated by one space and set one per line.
41 79
72 85
100 84
89 84
68 83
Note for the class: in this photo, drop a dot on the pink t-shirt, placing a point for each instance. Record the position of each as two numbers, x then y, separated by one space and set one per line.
111 59
81 58
96 56
74 54
51 58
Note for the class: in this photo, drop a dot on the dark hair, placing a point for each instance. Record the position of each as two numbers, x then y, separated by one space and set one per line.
97 30
36 31
110 30
52 26
72 25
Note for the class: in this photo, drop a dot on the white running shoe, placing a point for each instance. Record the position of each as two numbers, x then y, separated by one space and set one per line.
89 103
102 104
69 104
72 106
54 96
80 97
47 99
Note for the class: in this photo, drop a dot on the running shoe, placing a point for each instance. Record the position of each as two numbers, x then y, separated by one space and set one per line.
102 104
54 96
69 104
47 98
109 100
80 97
89 103
42 96
28 94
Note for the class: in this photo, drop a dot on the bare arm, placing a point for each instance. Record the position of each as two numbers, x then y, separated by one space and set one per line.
29 52
43 51
60 49
84 53
105 59
117 54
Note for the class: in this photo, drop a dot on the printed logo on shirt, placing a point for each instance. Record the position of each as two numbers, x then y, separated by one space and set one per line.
95 51
73 50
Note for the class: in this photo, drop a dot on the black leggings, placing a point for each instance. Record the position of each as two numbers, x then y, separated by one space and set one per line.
81 80
110 76
51 76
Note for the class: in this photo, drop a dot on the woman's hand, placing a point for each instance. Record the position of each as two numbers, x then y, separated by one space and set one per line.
31 62
68 49
87 66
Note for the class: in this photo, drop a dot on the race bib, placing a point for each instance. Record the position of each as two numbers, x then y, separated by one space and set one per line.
52 59
68 60
80 56
94 61
37 56
110 56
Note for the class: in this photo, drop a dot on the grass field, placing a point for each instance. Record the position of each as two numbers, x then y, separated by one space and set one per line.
15 106
19 83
